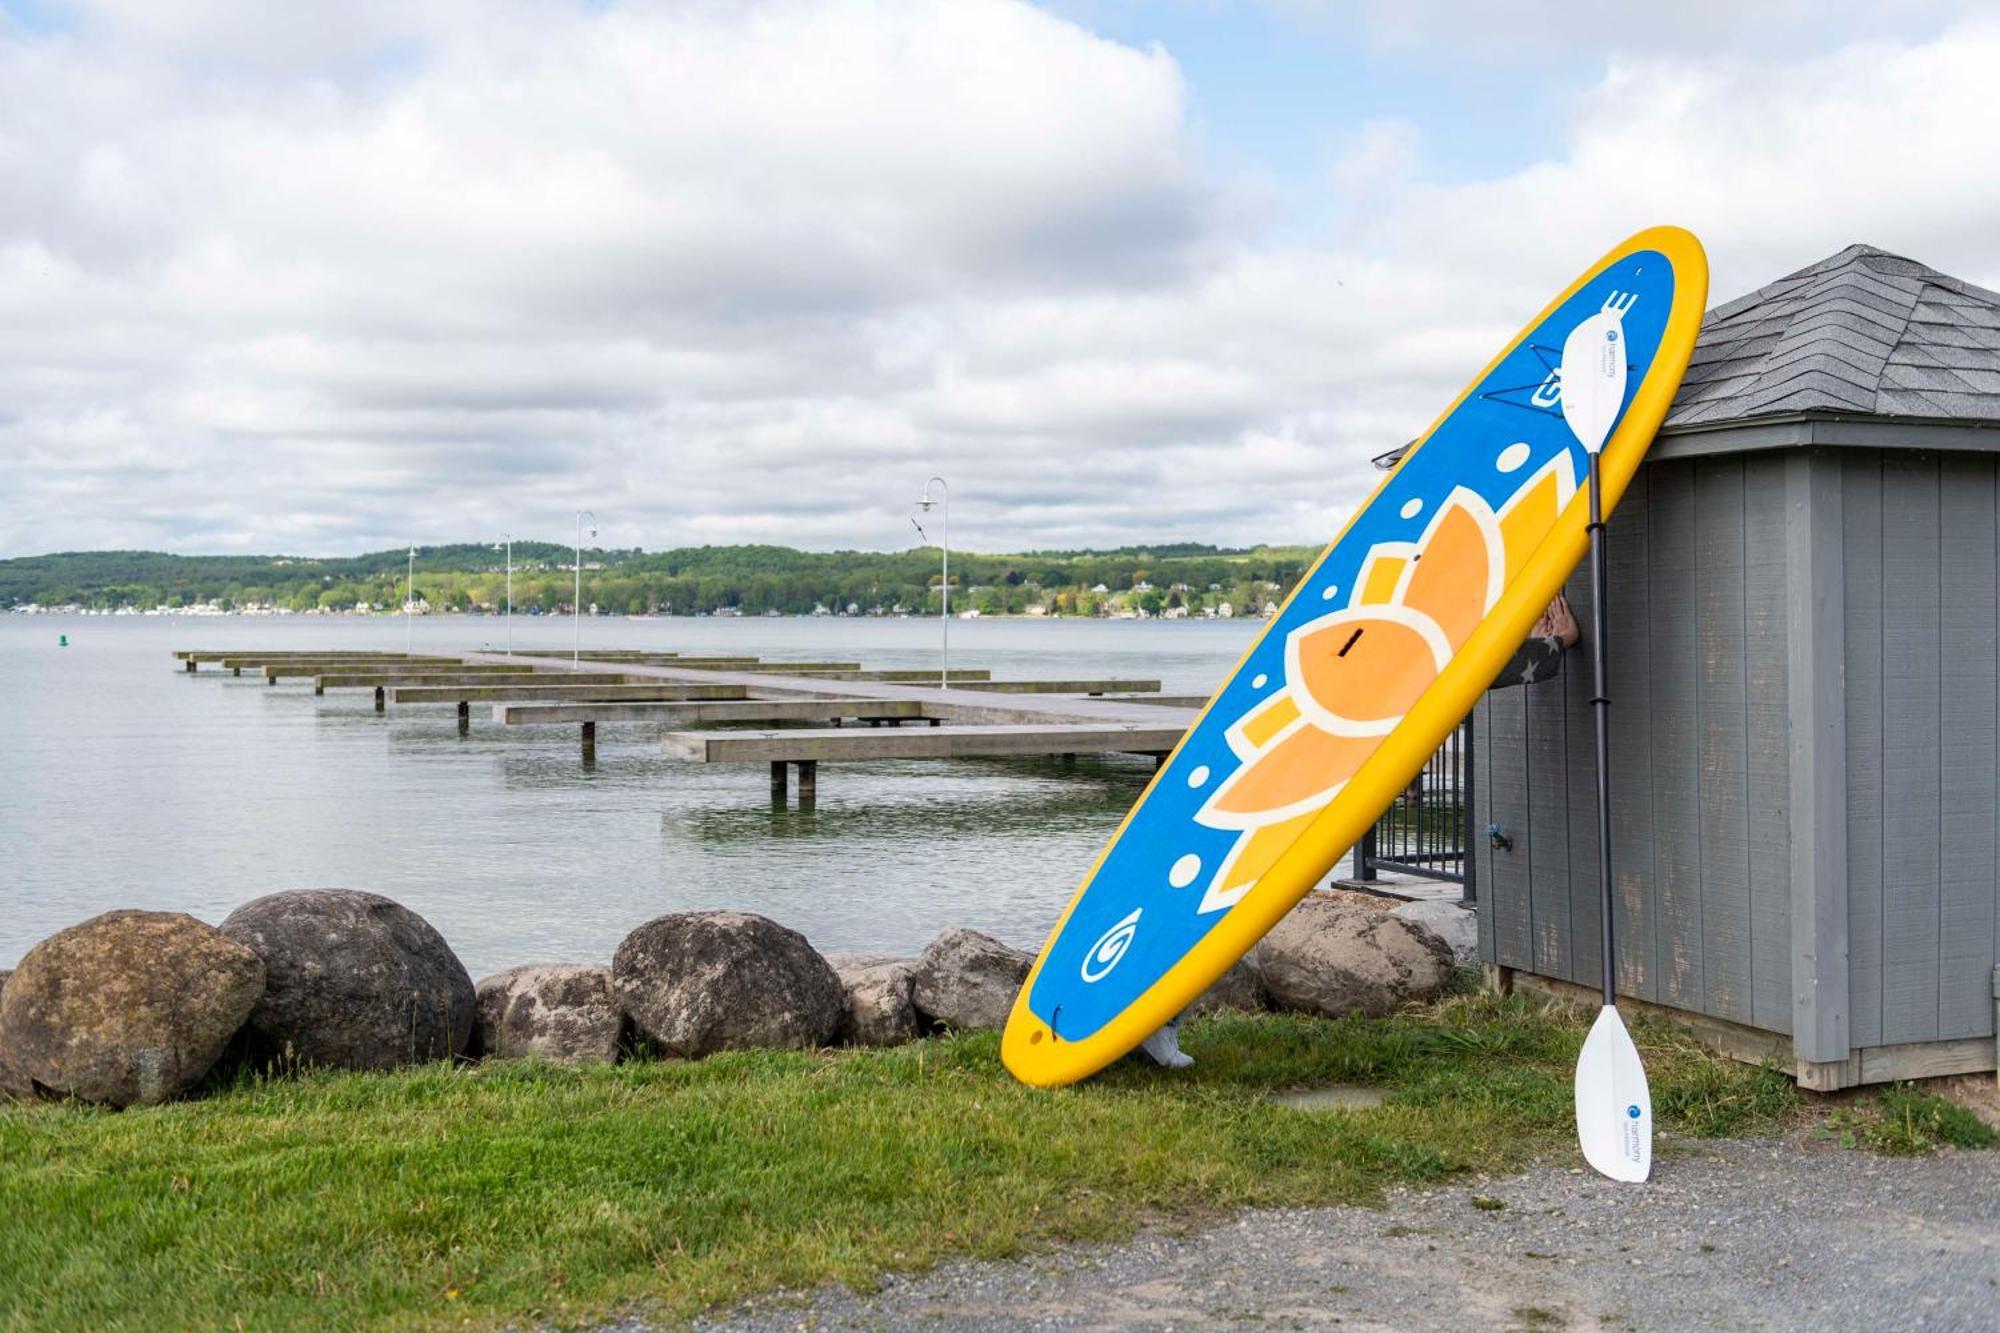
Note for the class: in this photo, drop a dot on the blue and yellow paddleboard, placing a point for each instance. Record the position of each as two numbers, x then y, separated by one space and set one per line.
1382 648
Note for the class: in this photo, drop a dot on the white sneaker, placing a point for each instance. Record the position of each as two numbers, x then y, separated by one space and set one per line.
1165 1047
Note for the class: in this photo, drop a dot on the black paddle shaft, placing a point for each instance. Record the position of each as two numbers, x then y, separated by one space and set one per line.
1600 709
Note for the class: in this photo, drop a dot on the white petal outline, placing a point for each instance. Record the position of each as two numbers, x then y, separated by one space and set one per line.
1481 513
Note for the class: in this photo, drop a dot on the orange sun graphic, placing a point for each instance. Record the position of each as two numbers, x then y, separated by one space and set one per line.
1352 675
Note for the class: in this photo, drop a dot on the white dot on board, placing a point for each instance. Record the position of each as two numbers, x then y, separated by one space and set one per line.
1257 681
1199 778
1513 456
1411 508
1332 590
1184 871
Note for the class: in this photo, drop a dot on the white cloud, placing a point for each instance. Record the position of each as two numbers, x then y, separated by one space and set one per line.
751 272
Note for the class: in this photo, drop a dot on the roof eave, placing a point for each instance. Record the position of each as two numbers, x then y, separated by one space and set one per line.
1843 430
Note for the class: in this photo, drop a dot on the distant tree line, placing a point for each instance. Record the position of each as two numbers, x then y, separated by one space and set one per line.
1182 578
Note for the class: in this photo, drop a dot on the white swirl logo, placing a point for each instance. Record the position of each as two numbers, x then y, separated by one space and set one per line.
1110 948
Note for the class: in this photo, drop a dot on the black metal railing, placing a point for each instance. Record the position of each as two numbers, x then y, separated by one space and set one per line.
1427 829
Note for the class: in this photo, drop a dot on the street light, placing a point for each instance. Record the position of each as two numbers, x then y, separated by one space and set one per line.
410 605
925 503
508 538
576 651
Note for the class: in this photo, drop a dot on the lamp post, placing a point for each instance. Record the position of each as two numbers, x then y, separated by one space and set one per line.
576 650
925 503
508 539
410 605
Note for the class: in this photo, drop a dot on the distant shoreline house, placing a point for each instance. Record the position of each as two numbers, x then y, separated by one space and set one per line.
1805 676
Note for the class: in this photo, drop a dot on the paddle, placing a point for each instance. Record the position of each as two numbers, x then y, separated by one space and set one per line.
1614 1109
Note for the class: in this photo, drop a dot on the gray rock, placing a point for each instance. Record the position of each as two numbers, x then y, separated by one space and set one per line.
880 1011
1456 926
1241 988
694 983
1332 958
356 981
562 1012
968 980
127 1008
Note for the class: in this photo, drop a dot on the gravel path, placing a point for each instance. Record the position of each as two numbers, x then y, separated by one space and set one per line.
1743 1235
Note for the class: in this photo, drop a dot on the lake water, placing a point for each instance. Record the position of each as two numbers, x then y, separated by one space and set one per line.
125 782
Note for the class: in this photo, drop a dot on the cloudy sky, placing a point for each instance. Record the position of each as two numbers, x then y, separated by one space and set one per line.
1122 270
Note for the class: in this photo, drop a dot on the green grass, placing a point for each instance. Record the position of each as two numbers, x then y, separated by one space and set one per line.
516 1193
1904 1121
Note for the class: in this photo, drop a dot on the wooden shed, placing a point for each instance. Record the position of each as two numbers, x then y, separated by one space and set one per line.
1805 684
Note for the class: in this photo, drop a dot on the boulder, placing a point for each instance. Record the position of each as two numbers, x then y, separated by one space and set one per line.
356 981
880 1011
14 1085
1240 988
1332 958
127 1008
563 1012
968 980
694 983
1457 926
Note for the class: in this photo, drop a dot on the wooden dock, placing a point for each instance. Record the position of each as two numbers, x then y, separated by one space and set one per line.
837 711
751 710
939 742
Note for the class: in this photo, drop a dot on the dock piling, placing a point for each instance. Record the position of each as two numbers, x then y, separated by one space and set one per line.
381 700
778 782
589 742
808 782
464 718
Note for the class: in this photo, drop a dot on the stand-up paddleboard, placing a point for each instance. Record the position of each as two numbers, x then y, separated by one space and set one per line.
1380 651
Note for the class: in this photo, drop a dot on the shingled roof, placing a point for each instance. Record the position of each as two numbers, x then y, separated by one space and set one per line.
1862 333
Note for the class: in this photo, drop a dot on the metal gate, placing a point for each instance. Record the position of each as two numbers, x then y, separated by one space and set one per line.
1427 829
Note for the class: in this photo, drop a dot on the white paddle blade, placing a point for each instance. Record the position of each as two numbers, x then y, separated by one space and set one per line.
1593 372
1614 1109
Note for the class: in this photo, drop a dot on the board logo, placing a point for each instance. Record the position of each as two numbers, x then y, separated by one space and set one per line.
1110 948
1549 392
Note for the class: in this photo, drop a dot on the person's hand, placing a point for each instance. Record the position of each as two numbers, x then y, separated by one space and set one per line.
1557 623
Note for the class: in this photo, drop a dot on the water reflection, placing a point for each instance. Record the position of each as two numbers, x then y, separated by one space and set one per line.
126 783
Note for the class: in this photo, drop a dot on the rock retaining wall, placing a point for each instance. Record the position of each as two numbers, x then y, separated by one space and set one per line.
132 1008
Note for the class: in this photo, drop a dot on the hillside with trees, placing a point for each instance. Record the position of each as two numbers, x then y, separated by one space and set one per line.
1178 579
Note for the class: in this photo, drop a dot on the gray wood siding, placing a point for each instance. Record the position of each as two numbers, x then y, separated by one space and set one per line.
1574 687
1767 577
1861 552
1548 828
1480 853
1967 759
1704 601
1676 708
1635 908
1722 737
1699 926
1911 664
1506 746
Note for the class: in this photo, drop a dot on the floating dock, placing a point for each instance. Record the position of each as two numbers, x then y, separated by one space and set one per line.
838 711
